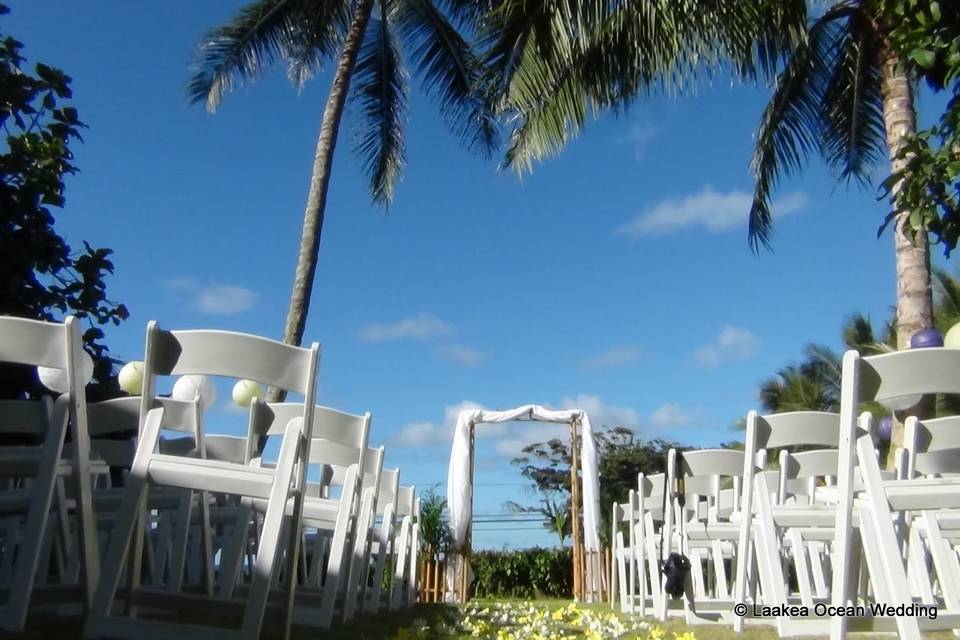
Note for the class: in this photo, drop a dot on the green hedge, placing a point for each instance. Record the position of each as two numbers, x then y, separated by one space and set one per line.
528 573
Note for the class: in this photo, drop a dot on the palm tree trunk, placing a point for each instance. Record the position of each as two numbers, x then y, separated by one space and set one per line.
320 177
914 297
914 294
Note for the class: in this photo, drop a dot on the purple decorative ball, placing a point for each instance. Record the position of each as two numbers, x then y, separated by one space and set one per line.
884 428
926 338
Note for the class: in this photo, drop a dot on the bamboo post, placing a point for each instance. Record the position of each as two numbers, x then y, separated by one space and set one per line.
575 513
468 548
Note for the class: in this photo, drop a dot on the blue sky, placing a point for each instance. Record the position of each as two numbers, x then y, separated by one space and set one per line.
616 278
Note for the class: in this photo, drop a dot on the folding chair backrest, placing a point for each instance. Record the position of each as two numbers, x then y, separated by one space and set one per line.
233 355
907 373
37 343
44 344
650 495
795 429
406 496
707 473
389 485
372 468
339 438
121 416
25 417
932 446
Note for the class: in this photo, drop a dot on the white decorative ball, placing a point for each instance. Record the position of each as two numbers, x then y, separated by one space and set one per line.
187 388
901 403
952 339
245 391
53 379
56 379
131 378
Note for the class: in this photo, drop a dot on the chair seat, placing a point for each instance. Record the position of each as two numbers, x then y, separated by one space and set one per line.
804 515
315 510
211 475
714 531
930 493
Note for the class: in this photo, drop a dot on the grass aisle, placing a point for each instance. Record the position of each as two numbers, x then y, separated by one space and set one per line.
532 620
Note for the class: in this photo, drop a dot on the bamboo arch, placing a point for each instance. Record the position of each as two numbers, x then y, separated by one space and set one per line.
584 489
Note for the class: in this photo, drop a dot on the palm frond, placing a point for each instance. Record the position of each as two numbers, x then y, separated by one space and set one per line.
946 296
451 72
554 108
858 332
380 88
301 32
854 135
792 121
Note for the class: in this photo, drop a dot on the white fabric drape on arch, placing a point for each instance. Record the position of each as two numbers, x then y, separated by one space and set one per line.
460 481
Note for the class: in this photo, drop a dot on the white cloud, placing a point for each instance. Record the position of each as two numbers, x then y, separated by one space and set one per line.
732 345
601 415
421 434
425 433
461 354
639 136
525 433
671 415
422 327
215 299
716 211
613 357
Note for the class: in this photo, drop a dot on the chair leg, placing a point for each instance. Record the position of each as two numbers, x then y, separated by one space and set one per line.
358 567
31 542
396 590
131 510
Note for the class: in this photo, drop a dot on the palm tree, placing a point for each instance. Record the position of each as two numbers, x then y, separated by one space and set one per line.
844 91
368 40
814 383
846 94
552 63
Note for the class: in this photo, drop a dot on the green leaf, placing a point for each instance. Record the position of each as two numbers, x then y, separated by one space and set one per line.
923 57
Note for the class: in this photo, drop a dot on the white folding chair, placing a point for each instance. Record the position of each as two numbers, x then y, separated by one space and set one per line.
113 426
883 503
645 513
402 584
358 573
31 471
792 520
706 527
387 502
932 449
327 524
217 353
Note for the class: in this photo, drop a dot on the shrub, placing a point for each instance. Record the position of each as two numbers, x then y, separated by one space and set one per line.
527 573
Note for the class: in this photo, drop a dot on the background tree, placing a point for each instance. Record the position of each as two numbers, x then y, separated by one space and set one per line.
620 457
41 275
367 40
555 512
927 32
434 535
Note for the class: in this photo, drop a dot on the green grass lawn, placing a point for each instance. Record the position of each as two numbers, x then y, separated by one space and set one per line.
490 619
